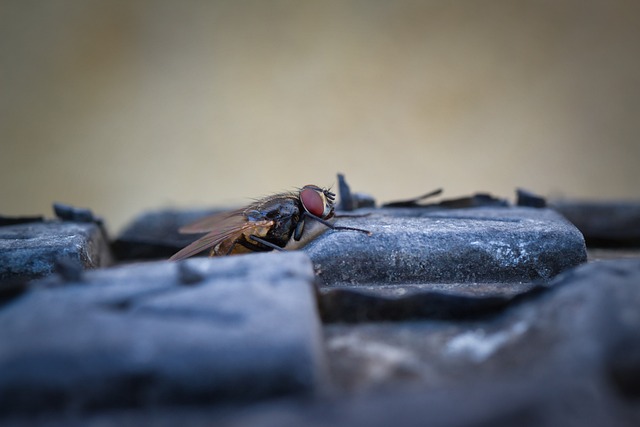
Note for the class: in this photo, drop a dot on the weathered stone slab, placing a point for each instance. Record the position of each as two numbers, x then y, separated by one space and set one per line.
33 250
415 245
604 223
198 331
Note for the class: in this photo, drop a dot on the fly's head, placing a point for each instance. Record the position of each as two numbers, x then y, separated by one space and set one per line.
317 201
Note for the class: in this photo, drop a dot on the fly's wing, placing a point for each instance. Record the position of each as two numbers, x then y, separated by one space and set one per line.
214 222
230 230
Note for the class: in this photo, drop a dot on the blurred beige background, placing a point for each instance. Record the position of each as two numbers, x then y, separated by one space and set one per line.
124 105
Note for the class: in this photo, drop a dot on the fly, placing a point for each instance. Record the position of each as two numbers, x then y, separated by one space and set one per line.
276 222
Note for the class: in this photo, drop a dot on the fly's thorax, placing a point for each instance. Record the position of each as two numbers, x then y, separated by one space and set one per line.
283 227
283 214
260 229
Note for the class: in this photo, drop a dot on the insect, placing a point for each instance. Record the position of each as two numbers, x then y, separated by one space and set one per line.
279 222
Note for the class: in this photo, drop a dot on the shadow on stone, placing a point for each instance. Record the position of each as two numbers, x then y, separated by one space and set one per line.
353 305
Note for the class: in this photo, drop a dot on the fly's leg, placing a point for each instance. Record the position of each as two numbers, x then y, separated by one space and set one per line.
297 233
353 215
331 226
255 247
252 246
214 250
233 245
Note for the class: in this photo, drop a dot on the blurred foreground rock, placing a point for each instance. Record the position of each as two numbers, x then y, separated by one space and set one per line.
199 331
567 356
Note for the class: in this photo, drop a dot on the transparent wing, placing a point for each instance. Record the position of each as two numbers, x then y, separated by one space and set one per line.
213 222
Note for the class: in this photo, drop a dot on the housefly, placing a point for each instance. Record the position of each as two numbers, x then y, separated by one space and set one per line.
279 222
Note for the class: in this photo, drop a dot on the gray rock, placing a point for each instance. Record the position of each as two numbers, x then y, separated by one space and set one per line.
604 223
416 245
37 249
199 331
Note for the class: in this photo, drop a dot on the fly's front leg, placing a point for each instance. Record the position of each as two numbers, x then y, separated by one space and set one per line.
331 226
255 238
297 233
249 245
353 215
233 245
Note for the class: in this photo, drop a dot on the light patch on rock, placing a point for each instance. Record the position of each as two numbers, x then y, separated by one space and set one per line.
382 361
478 346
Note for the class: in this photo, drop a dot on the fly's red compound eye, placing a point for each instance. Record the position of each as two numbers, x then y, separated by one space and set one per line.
312 201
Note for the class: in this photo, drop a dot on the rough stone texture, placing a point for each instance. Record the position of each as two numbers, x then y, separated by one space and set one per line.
37 249
155 234
197 331
605 224
416 245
